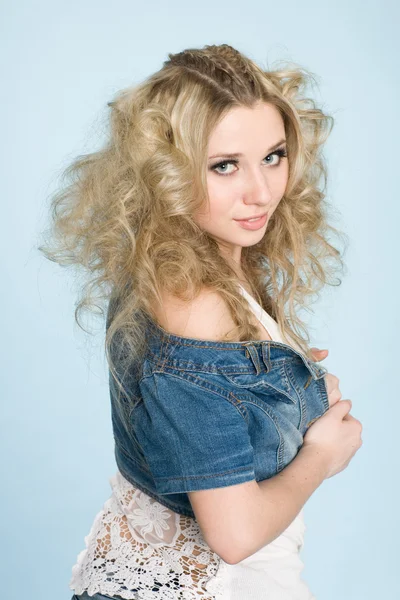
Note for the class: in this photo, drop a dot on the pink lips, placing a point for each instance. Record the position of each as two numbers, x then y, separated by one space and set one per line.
253 225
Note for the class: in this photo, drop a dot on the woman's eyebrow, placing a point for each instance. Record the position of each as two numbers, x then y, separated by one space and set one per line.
238 154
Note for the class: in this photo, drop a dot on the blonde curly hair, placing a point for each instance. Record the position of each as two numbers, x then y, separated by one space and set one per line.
126 212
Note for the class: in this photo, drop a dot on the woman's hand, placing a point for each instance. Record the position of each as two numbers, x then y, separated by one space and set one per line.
332 382
336 436
337 432
319 354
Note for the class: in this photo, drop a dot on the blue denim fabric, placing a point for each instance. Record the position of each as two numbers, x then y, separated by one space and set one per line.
206 414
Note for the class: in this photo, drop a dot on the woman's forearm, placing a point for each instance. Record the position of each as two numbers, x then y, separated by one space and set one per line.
280 499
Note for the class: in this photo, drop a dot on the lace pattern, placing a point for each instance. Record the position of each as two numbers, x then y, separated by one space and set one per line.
139 549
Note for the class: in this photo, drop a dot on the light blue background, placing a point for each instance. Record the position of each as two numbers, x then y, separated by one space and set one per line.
61 63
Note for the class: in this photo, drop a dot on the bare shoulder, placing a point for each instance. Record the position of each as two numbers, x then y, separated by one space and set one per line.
207 317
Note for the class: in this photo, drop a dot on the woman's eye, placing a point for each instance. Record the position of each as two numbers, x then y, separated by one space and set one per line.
278 158
223 164
220 168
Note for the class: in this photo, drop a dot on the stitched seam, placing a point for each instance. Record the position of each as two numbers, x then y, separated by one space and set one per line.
183 365
269 414
248 468
302 402
321 382
220 392
260 385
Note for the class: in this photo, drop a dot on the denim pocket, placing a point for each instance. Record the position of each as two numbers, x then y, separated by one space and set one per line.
272 383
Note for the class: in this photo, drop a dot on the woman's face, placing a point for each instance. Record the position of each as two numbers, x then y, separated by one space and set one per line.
248 185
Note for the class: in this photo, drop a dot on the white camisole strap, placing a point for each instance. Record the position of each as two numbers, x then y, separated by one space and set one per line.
267 321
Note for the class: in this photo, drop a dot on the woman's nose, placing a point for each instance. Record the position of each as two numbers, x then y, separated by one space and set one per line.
258 189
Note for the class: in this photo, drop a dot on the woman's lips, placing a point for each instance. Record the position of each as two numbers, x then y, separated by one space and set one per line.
253 225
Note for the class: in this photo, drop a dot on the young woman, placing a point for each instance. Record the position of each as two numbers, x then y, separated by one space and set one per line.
202 226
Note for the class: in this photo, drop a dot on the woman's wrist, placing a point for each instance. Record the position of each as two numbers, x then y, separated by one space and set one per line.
317 459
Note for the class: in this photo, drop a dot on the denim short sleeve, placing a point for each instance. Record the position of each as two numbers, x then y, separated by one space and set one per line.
193 436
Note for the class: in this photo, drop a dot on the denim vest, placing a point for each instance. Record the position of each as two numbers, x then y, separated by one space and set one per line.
207 414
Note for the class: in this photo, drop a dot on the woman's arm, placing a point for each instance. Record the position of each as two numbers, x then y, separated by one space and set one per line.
238 520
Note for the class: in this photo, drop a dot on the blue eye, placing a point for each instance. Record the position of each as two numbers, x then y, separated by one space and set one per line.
281 153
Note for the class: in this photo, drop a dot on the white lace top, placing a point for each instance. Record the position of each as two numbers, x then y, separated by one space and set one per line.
138 549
